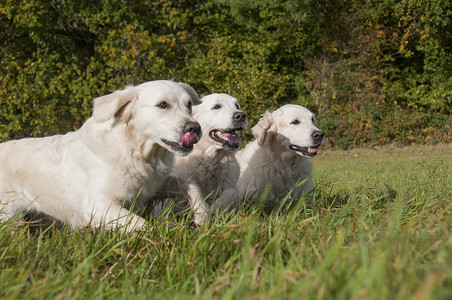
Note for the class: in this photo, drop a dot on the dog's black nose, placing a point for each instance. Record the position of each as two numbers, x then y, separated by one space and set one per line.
192 127
317 136
239 116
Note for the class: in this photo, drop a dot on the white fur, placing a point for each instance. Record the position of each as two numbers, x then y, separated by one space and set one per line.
117 156
211 165
268 160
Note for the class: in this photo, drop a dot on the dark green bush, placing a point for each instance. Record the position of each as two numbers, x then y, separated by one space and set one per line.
375 72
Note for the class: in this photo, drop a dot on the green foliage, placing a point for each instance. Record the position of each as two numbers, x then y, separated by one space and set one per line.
57 56
239 64
375 72
421 31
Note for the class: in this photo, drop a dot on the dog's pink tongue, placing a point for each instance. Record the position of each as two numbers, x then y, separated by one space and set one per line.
189 139
313 149
232 138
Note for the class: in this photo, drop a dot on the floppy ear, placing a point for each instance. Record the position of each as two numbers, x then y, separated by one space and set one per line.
191 91
113 105
262 129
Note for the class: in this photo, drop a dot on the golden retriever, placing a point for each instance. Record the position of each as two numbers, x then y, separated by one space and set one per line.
279 156
121 155
212 164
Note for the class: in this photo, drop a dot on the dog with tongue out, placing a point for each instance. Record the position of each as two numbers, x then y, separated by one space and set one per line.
212 164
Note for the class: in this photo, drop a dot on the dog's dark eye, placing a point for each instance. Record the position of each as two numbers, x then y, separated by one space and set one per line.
313 120
295 122
163 105
218 106
189 107
237 106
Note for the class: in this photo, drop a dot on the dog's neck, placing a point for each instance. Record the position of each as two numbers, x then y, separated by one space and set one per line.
150 160
208 156
132 146
141 161
281 159
208 166
156 154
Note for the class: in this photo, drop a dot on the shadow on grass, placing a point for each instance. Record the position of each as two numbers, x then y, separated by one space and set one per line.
323 200
39 223
376 197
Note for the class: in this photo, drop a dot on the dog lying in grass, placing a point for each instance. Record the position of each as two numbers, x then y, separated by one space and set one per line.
122 154
279 156
212 164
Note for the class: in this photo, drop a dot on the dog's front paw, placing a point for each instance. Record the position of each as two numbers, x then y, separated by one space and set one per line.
201 214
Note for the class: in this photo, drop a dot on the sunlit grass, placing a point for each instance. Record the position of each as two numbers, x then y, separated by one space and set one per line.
379 227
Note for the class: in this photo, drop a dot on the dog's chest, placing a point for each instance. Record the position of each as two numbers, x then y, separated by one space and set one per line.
289 176
214 173
145 179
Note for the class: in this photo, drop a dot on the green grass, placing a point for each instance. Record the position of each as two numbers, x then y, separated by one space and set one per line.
378 228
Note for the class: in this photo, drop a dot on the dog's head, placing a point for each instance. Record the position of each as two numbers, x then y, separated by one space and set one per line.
220 117
157 111
290 127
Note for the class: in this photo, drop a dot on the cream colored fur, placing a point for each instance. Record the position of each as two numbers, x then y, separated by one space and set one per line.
268 160
212 165
117 156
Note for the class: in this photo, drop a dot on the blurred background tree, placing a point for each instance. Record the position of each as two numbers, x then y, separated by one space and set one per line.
375 72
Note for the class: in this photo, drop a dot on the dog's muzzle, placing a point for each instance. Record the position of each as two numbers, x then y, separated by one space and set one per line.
228 137
192 134
318 138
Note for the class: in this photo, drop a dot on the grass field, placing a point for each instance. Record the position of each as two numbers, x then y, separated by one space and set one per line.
378 228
